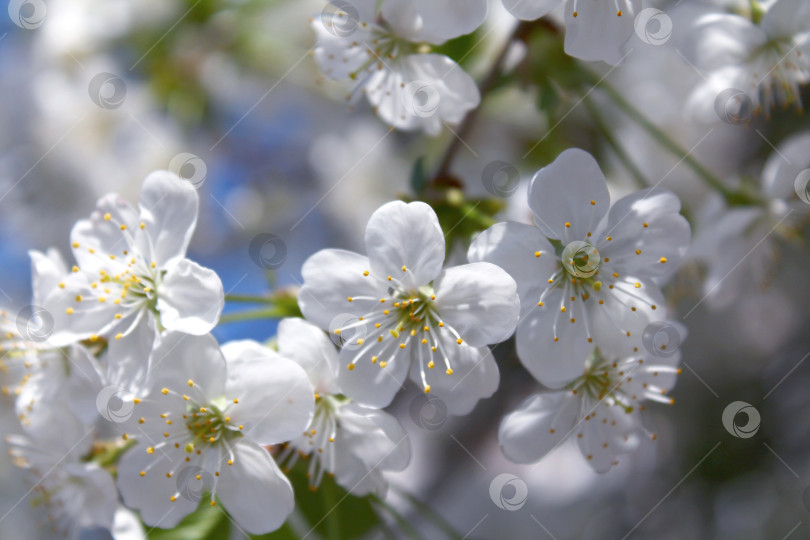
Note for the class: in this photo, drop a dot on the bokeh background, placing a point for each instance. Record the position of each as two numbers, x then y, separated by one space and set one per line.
101 92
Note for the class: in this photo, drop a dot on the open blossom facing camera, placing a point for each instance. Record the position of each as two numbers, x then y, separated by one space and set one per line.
768 57
600 409
202 429
384 54
594 29
587 273
77 494
397 310
352 442
132 265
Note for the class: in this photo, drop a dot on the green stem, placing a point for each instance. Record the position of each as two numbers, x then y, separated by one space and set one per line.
267 313
248 299
406 527
430 514
614 143
667 142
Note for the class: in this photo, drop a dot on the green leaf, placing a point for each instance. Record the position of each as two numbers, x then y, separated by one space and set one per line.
419 179
206 523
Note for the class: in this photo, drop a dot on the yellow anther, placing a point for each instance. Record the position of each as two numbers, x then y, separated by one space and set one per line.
350 367
365 272
637 285
119 335
449 371
164 391
562 309
107 217
150 450
663 260
75 269
69 311
383 364
404 269
427 388
350 299
537 253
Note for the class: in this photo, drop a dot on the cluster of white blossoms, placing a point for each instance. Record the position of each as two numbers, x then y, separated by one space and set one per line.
383 48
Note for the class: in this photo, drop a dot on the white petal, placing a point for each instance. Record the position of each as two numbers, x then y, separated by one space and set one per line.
104 236
99 497
168 207
783 167
276 399
479 301
127 526
87 378
331 276
475 376
529 10
602 442
403 18
47 269
449 18
787 18
151 494
405 235
597 33
368 383
310 348
254 491
190 298
374 436
553 363
540 424
181 357
562 193
343 42
645 228
719 40
128 358
514 247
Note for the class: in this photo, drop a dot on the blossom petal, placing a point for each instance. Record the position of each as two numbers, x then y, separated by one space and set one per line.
539 425
787 18
450 18
783 167
479 301
475 376
99 498
128 358
597 33
309 347
180 357
368 383
275 398
168 207
254 491
648 235
529 10
190 298
75 321
126 525
405 235
571 190
95 239
375 436
331 277
47 269
552 362
602 442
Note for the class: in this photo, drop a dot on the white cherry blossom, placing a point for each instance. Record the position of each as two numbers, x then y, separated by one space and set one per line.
600 409
352 442
131 265
203 428
397 310
384 54
587 273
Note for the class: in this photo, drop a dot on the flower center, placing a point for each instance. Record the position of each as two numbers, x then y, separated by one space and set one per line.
581 259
